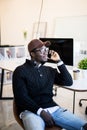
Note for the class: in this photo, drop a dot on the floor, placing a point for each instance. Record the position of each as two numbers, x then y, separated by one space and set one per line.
64 98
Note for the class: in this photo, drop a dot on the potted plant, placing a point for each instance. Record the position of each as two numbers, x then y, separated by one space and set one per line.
82 65
25 34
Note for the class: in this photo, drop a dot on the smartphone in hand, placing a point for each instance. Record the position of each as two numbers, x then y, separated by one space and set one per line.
49 56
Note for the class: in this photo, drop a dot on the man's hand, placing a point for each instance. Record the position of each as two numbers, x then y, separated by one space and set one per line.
47 118
54 56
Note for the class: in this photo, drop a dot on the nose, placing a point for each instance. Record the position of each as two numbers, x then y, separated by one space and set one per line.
45 52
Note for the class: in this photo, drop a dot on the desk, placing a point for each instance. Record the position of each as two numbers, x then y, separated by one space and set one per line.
79 85
8 65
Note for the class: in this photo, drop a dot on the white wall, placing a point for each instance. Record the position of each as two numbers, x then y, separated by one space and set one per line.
60 8
16 17
19 15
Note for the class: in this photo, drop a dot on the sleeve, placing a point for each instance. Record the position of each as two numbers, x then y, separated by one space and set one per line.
22 98
63 77
39 111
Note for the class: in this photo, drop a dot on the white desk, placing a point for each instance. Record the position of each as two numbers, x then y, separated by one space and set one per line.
11 64
79 85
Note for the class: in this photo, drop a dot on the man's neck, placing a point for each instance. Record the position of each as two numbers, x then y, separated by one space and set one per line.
37 64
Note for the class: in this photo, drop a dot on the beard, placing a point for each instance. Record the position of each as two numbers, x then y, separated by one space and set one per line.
43 62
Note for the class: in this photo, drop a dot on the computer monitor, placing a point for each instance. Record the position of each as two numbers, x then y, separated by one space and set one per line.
64 46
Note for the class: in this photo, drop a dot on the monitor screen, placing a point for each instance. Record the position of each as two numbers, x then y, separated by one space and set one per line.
64 47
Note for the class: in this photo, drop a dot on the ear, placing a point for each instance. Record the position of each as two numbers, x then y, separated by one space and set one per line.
32 54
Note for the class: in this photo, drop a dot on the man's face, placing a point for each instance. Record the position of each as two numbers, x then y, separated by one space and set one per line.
41 54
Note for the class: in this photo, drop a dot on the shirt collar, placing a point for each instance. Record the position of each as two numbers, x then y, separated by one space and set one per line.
33 63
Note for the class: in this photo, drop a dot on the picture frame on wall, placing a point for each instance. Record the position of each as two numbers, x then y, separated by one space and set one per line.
39 29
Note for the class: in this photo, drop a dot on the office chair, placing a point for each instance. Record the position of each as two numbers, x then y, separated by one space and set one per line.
20 121
80 104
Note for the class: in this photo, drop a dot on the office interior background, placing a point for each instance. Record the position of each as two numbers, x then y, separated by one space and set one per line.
23 20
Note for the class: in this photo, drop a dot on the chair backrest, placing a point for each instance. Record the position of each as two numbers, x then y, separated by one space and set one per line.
20 121
15 111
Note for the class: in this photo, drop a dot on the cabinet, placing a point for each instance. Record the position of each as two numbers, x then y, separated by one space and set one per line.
8 53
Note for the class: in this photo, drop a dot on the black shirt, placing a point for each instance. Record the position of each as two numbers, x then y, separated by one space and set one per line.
33 86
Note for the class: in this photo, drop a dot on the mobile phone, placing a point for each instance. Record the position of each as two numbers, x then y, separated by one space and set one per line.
49 54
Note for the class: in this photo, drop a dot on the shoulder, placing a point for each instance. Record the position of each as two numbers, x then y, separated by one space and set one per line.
50 69
19 69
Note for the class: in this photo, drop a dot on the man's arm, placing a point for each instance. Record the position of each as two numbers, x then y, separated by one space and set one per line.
23 100
64 77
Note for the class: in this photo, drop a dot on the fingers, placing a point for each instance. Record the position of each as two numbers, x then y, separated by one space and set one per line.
50 123
47 118
52 52
54 55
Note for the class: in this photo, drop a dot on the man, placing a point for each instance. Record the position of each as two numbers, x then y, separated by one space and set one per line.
32 87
